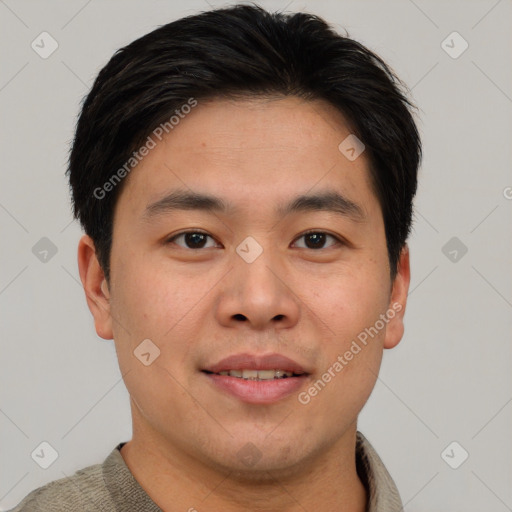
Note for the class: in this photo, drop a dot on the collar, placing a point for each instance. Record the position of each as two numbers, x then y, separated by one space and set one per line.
383 496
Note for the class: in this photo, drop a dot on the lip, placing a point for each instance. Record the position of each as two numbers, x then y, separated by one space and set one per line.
257 391
246 361
252 391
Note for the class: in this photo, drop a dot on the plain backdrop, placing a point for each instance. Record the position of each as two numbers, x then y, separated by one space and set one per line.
449 380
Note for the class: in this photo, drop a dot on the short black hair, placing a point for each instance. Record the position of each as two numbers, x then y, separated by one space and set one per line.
235 52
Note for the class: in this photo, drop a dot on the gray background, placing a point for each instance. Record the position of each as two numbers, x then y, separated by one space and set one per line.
448 380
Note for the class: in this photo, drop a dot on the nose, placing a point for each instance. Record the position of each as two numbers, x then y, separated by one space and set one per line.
259 294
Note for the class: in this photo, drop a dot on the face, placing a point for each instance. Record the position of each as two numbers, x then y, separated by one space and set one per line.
251 274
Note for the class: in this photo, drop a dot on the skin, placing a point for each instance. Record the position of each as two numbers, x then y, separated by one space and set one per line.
201 305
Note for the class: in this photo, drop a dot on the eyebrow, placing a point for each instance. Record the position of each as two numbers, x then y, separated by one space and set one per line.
328 201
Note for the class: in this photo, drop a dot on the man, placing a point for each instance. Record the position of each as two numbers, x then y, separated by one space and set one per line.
245 182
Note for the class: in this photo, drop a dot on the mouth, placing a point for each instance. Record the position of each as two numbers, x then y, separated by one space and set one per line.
257 379
257 375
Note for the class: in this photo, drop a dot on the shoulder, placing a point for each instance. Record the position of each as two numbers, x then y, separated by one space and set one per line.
84 491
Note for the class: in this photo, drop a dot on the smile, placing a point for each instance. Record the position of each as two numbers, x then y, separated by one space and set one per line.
249 374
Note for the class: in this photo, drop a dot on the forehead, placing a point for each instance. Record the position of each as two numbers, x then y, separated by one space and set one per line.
251 150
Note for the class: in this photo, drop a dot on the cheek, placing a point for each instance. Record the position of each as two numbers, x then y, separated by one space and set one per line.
352 346
352 301
150 304
146 299
146 306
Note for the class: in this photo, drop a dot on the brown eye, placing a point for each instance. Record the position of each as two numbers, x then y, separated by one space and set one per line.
317 240
191 240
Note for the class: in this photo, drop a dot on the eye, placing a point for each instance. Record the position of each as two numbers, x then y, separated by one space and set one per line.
317 239
191 239
199 240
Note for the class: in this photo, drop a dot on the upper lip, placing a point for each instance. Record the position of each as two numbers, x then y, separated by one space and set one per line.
246 361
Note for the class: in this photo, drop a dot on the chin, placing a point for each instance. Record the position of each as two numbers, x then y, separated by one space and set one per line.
259 462
265 471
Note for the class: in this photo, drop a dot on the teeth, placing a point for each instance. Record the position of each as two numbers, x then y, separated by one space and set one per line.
266 374
250 374
257 374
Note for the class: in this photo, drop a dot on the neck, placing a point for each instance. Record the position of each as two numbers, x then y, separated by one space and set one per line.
175 480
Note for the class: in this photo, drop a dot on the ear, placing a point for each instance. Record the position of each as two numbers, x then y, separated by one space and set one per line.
95 287
398 300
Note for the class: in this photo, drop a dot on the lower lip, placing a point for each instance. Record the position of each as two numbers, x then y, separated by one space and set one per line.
257 391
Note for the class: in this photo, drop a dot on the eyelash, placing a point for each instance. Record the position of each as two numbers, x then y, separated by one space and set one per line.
338 240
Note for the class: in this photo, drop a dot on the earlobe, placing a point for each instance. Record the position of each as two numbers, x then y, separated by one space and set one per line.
95 287
398 301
